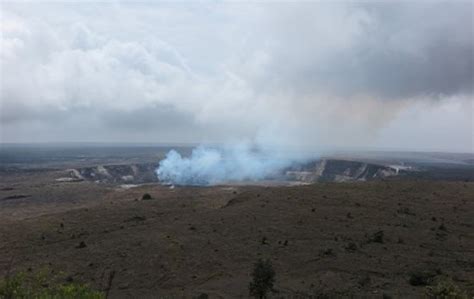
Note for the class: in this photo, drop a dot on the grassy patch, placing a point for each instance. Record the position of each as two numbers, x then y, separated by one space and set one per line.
40 286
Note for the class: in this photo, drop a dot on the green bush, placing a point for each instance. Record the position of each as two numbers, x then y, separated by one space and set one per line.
40 287
11 287
263 278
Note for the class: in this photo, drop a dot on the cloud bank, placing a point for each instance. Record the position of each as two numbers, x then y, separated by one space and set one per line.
288 75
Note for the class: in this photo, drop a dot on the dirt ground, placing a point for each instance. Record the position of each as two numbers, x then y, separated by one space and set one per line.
327 239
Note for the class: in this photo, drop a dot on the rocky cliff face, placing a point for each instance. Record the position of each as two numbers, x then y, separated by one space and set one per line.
339 171
117 174
330 170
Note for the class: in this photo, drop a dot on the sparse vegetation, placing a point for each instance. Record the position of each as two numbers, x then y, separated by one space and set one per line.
127 236
39 286
263 278
445 288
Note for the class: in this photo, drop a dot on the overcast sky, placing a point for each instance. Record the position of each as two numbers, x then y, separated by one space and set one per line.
314 75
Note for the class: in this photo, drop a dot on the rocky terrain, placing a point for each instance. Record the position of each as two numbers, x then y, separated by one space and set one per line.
365 228
381 238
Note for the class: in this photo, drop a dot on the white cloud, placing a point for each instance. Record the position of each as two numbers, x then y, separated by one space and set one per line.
310 74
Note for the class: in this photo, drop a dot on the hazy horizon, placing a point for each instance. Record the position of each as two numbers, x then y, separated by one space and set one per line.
73 144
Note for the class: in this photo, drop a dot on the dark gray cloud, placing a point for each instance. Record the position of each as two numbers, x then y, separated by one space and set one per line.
388 50
440 36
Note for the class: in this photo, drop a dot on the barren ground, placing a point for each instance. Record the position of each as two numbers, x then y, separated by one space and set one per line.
187 241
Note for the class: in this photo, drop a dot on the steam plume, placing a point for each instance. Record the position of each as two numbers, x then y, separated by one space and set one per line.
210 166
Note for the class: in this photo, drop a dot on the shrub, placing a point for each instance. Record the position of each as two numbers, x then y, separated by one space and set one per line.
445 288
146 196
263 277
421 278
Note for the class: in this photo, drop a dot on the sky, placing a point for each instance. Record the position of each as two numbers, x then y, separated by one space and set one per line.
304 75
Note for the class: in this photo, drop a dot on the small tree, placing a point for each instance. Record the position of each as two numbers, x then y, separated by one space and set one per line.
263 277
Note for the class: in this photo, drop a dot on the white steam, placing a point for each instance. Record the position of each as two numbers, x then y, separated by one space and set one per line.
210 166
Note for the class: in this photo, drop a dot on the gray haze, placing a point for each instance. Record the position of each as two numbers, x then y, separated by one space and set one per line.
302 75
